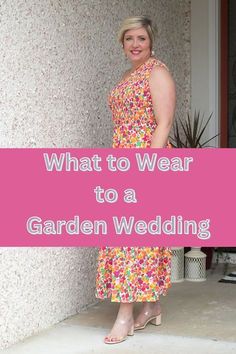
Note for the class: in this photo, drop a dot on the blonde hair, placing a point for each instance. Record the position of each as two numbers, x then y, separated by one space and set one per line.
134 23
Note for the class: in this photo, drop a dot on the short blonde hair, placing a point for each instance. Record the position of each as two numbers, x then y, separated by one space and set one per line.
134 23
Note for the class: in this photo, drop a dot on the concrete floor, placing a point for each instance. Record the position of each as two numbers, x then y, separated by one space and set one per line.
197 318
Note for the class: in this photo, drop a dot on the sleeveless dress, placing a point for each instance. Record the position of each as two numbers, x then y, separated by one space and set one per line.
133 274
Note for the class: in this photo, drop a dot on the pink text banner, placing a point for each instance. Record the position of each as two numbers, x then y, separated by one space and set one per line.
117 197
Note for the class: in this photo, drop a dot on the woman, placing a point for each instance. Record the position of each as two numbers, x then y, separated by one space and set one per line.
142 105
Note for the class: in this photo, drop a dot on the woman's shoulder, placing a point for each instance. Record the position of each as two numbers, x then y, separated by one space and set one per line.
160 75
156 64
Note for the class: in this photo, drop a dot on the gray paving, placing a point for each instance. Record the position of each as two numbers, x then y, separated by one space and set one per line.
197 318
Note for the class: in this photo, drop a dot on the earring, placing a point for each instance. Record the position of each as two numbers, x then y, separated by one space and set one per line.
152 53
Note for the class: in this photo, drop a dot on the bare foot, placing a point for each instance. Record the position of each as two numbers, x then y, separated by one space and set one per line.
121 328
149 310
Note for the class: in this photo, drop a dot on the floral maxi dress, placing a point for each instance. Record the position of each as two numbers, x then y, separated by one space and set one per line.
128 274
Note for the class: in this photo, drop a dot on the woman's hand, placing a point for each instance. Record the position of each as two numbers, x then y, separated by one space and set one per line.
163 94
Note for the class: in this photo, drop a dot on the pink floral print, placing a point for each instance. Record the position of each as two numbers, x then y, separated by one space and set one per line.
128 274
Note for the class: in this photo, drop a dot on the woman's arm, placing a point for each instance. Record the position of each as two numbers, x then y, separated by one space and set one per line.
163 94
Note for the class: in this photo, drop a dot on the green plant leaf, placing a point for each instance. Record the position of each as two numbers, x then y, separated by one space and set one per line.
192 132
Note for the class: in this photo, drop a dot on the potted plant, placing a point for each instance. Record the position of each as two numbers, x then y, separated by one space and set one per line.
189 134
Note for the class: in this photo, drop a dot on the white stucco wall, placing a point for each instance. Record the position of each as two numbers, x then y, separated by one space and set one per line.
59 59
42 286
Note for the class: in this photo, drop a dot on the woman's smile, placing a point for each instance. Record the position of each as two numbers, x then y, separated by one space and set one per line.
135 52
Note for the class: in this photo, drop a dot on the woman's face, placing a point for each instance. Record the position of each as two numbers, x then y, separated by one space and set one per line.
137 45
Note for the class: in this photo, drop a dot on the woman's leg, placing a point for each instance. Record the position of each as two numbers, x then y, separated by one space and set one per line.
123 324
148 311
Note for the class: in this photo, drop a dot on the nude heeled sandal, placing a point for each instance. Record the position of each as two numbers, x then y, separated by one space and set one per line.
155 320
117 340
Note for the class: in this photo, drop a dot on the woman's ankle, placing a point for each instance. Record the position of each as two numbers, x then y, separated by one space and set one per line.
125 312
154 307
